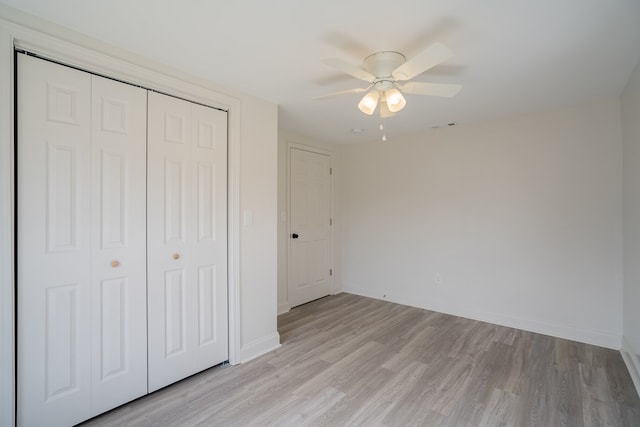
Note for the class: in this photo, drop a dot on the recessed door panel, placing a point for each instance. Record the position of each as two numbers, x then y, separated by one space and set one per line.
207 304
62 226
174 312
62 102
300 260
114 114
175 127
206 134
114 219
61 348
300 211
206 201
174 200
318 260
114 325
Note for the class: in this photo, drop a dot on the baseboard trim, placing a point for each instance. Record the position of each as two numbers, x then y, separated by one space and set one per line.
561 331
283 307
259 347
631 358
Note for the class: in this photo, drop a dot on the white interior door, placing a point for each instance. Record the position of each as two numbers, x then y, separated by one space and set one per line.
81 209
187 239
309 226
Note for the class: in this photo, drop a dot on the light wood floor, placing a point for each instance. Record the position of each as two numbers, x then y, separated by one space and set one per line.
350 360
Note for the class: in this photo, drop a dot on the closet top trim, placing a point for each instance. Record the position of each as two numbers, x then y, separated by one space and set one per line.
28 53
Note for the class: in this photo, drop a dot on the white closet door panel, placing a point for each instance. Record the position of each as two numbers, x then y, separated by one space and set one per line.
169 192
118 164
187 239
210 234
54 262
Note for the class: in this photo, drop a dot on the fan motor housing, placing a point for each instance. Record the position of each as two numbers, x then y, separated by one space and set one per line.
382 64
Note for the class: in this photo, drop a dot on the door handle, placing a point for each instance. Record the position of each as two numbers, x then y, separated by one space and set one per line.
294 236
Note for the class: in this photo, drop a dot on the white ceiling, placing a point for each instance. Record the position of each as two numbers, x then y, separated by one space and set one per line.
511 56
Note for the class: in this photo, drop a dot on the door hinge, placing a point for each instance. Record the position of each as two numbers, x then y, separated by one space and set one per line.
331 272
330 171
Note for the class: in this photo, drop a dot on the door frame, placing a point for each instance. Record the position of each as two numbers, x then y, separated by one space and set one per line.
298 146
19 30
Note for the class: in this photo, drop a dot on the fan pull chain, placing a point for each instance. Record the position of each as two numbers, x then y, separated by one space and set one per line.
384 133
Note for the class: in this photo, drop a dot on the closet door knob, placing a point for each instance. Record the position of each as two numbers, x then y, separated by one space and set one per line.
176 256
115 263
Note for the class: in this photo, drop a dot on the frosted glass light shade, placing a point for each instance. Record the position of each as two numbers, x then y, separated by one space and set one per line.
384 109
395 100
369 102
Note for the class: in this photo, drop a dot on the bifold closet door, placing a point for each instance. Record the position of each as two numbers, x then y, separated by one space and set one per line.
187 239
80 244
118 241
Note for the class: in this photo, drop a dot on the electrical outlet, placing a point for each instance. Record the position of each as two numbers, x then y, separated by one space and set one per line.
438 279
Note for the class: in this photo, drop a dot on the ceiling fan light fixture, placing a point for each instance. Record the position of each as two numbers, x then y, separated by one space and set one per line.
395 100
384 109
383 71
369 102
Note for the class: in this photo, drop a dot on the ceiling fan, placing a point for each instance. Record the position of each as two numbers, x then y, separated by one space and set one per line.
384 70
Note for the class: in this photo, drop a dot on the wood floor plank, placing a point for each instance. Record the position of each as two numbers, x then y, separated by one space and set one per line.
381 402
501 409
351 360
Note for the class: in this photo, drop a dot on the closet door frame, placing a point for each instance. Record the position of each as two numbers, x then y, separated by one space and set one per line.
103 60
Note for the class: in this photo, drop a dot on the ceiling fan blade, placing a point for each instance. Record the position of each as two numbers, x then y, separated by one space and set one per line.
343 92
430 57
352 70
445 90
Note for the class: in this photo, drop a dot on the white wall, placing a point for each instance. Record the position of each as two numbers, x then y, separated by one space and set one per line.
258 239
631 224
284 139
521 217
